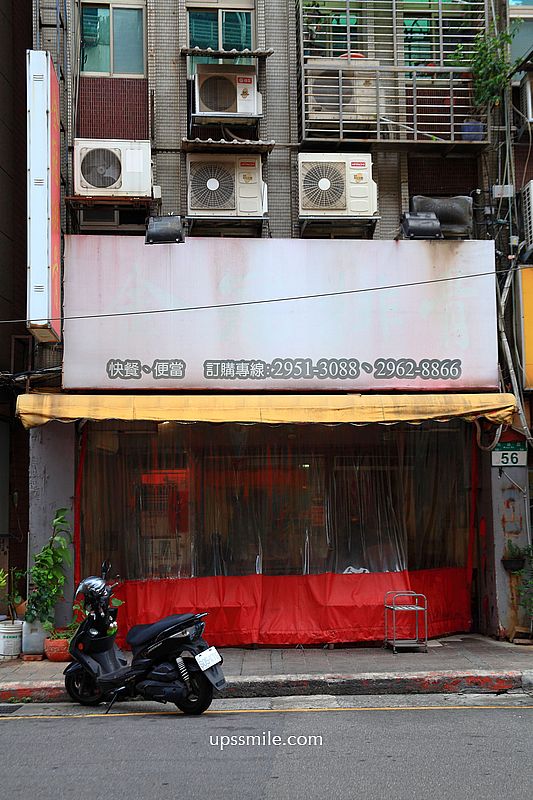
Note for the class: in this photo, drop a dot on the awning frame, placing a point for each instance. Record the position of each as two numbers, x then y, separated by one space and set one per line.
38 408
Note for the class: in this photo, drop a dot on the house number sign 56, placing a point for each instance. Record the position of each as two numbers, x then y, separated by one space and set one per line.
510 454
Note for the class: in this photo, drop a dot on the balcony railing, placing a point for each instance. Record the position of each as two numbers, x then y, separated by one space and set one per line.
396 33
393 70
365 101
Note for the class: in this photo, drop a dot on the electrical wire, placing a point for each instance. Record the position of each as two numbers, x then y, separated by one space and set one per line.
272 300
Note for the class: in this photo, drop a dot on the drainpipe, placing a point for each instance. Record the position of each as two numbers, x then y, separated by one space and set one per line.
508 356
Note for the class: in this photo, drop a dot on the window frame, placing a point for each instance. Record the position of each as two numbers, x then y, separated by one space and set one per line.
111 5
226 8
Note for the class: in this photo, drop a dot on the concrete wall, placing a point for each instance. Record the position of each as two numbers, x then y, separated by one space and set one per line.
51 482
510 508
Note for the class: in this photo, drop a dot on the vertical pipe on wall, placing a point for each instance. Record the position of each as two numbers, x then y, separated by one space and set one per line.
77 506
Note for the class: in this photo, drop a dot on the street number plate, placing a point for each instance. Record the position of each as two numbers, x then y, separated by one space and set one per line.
208 658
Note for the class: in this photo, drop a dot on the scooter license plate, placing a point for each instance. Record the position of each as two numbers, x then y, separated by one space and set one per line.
208 658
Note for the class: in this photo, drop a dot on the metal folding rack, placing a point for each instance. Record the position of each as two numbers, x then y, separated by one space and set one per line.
406 602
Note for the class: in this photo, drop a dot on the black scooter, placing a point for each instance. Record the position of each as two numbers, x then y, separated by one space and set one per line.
171 662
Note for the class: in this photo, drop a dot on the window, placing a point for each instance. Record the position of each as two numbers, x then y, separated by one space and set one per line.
219 30
112 39
418 41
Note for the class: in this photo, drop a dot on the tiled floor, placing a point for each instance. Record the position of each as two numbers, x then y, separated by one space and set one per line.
469 652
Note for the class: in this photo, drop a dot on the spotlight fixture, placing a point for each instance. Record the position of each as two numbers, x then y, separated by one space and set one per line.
167 229
420 225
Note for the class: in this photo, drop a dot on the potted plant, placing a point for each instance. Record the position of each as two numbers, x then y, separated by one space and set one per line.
490 68
514 557
57 641
11 628
47 579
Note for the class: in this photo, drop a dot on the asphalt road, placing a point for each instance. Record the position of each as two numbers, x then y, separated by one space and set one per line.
404 748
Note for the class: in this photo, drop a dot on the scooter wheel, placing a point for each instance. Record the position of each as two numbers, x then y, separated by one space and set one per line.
82 688
199 698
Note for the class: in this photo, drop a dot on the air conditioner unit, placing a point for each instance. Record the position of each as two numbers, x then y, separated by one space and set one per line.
224 92
527 212
526 96
336 90
225 186
336 185
112 168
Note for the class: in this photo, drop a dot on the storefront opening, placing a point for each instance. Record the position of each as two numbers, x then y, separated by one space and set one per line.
174 500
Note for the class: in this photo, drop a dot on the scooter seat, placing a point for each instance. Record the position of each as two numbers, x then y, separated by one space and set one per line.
140 634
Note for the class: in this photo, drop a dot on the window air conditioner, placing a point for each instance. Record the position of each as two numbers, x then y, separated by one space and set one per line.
526 96
336 185
336 90
112 168
225 186
225 92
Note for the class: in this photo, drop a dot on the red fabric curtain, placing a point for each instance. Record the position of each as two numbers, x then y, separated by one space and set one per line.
298 609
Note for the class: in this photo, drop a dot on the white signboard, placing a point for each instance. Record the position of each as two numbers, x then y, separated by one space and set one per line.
279 314
510 454
44 198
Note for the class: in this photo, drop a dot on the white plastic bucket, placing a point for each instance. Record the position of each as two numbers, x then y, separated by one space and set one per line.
10 639
33 636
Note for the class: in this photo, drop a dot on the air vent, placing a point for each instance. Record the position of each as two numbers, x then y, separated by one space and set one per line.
212 186
101 168
323 185
217 93
327 91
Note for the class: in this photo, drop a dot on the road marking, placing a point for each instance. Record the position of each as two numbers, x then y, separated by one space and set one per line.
103 715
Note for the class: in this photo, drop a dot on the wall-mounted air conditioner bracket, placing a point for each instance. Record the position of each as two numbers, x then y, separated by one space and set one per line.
224 226
76 202
198 145
338 227
229 54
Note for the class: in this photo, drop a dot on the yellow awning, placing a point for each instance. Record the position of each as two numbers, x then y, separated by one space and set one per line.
39 408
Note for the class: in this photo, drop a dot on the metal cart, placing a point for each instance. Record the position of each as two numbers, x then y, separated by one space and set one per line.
397 602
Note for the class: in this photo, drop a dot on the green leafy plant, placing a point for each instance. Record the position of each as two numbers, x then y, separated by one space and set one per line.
489 63
513 550
10 589
47 576
61 633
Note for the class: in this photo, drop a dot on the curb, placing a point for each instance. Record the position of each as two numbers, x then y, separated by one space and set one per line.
372 683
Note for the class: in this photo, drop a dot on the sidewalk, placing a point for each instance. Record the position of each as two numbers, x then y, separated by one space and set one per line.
453 664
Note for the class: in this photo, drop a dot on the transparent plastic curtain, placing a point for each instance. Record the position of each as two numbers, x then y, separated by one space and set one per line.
175 500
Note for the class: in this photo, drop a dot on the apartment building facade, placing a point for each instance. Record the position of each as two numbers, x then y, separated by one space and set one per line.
279 418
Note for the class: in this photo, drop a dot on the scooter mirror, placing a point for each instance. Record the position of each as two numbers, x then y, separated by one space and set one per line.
106 569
